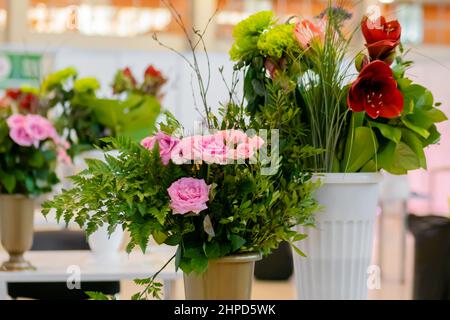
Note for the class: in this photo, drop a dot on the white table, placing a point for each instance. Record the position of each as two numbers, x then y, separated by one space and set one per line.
70 266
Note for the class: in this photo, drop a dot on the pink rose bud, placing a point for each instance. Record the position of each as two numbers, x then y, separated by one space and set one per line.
166 145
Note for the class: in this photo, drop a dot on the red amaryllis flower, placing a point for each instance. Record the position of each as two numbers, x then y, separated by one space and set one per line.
151 71
382 37
375 91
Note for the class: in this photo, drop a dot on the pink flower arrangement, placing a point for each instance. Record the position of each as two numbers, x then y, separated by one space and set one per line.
30 130
307 31
220 148
188 195
239 145
166 144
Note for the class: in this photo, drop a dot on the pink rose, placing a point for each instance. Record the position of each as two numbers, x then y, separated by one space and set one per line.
307 31
38 127
20 136
16 120
166 144
188 195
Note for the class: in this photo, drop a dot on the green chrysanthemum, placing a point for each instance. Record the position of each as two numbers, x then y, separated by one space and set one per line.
56 79
277 41
247 33
86 85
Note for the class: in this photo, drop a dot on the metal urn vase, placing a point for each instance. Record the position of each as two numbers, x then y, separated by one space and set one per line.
16 230
228 278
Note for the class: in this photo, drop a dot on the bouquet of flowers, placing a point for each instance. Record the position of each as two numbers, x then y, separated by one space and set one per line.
299 78
207 194
85 118
29 149
204 194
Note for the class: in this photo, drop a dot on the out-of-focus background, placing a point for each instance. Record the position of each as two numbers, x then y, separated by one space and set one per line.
100 36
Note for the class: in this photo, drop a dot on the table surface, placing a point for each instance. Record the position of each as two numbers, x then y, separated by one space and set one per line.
56 266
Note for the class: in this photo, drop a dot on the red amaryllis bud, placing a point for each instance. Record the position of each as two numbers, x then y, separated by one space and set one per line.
128 74
29 102
151 71
13 93
375 91
271 67
382 37
361 61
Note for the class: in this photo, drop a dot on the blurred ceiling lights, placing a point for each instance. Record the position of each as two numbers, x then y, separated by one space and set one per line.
386 1
102 20
232 17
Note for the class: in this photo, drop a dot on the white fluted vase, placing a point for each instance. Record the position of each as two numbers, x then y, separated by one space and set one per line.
339 249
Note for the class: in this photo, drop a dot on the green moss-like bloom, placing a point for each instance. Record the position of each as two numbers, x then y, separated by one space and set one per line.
247 33
28 89
277 41
86 85
57 78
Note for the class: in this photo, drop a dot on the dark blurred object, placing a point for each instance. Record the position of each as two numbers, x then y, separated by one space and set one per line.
432 257
60 240
277 266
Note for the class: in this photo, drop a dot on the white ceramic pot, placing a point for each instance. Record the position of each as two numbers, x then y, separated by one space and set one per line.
105 247
80 160
339 249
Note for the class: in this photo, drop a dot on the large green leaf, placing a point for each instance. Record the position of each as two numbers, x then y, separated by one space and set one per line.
397 158
211 249
388 131
8 181
434 137
416 128
134 117
36 159
370 166
421 96
416 145
236 242
436 115
361 147
4 130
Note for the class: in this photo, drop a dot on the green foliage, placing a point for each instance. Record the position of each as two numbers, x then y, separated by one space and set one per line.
152 289
246 35
99 296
